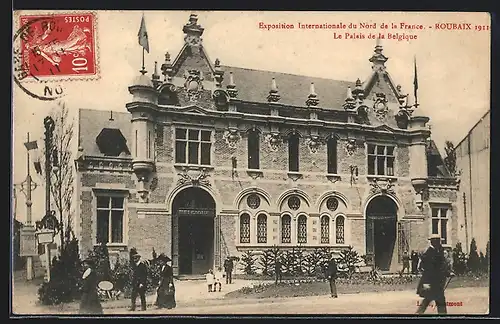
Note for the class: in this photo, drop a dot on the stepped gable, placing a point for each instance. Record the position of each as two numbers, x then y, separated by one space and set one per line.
253 86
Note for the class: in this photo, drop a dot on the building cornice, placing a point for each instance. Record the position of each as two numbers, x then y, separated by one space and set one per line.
104 163
199 112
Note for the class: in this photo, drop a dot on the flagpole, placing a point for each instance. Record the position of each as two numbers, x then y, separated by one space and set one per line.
143 70
415 80
29 259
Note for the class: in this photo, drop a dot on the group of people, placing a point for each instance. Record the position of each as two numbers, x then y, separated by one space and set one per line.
433 263
214 279
90 301
436 273
415 258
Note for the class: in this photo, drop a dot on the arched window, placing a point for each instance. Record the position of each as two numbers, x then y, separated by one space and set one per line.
339 230
293 153
262 228
302 229
286 229
245 228
253 149
325 229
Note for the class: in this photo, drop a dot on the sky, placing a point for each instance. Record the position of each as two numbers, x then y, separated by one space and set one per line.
453 65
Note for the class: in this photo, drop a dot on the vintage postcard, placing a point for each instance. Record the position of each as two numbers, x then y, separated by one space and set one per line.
226 162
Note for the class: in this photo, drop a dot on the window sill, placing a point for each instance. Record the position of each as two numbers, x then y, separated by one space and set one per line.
381 177
255 173
114 246
333 177
192 167
294 175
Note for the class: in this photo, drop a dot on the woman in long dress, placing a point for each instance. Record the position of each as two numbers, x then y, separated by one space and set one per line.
89 302
166 290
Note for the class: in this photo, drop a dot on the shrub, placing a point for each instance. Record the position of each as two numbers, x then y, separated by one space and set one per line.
66 276
121 276
101 257
248 260
473 262
288 261
267 261
459 260
349 260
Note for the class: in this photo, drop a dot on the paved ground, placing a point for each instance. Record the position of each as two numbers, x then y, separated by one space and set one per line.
189 293
473 300
195 300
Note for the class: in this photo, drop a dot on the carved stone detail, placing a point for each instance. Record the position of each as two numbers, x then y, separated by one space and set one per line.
274 141
380 106
350 147
313 143
200 180
384 186
232 137
193 84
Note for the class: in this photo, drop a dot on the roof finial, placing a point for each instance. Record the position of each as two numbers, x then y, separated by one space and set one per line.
378 59
218 74
358 91
273 93
231 87
166 68
155 77
312 98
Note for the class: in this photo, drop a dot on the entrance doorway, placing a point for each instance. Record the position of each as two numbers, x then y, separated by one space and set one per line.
194 212
381 220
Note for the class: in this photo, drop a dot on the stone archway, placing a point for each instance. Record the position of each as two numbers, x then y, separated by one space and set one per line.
381 223
193 213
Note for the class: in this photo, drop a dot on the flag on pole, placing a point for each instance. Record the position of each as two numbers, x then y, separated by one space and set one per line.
143 35
32 148
415 80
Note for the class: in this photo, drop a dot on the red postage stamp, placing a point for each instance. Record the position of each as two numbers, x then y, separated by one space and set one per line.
58 45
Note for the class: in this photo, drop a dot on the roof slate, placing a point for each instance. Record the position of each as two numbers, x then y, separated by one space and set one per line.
92 121
254 85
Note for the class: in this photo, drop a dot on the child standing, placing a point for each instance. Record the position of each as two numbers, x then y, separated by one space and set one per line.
210 280
218 279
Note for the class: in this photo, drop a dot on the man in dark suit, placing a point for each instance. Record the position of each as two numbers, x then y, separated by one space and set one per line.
228 268
139 282
278 275
436 270
332 276
414 262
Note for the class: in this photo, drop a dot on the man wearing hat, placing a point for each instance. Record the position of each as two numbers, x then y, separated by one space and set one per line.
436 270
139 281
228 268
332 276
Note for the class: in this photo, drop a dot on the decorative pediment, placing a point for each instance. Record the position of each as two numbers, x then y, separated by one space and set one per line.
193 110
384 128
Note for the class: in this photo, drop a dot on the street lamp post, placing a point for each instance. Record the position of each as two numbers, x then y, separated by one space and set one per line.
49 225
28 231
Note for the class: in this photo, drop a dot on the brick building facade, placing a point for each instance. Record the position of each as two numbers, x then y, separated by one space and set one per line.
212 160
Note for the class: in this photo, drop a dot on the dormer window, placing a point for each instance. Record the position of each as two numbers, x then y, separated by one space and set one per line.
111 142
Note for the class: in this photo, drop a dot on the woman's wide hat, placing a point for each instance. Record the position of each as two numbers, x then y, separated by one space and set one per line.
164 258
435 237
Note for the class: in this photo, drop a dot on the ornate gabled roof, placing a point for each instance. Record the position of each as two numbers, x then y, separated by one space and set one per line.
253 85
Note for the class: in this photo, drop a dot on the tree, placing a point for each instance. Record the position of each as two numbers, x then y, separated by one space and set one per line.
473 262
450 160
61 177
459 259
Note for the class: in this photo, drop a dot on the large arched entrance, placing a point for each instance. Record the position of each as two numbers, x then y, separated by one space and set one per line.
381 220
193 210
